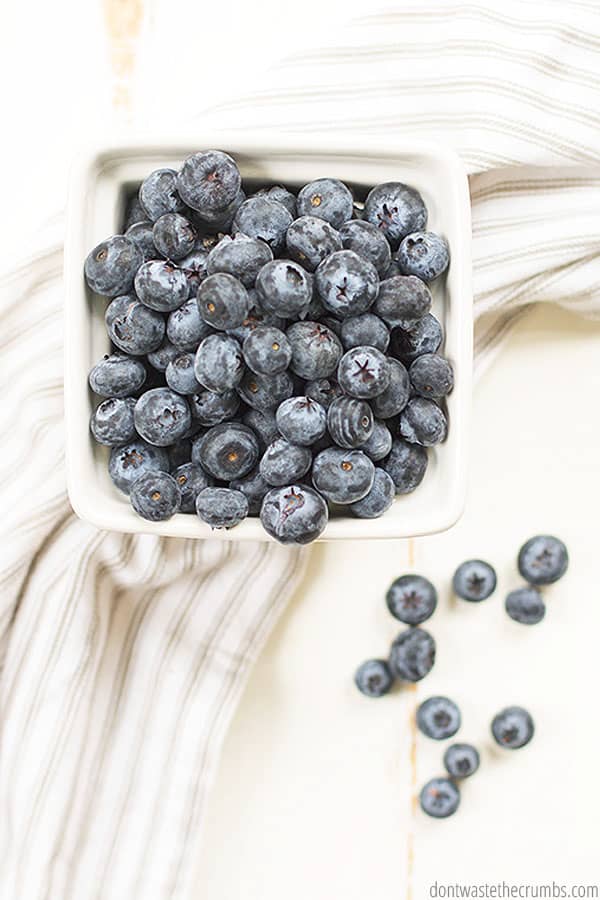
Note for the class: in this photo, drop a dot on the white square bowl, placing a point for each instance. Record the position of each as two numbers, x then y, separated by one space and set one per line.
101 179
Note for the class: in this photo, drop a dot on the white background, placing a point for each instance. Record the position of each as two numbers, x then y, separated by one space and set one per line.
315 795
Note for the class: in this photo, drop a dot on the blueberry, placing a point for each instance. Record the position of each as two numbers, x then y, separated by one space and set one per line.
141 234
284 289
394 398
220 221
424 336
474 580
283 462
180 376
461 760
179 453
267 351
379 443
223 301
267 220
412 654
240 256
439 798
209 182
438 718
378 500
368 241
221 507
174 236
263 424
343 476
363 372
191 479
396 209
133 327
117 376
402 300
209 408
412 599
328 199
193 266
161 286
525 605
162 417
294 514
424 254
133 459
423 422
155 496
512 727
227 451
316 351
255 318
219 365
350 422
543 559
112 422
185 328
158 194
431 376
282 195
301 420
254 487
373 678
347 283
265 391
163 355
323 390
406 464
134 212
310 240
111 266
365 330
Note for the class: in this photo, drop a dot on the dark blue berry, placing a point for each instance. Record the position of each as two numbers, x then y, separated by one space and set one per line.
369 242
364 372
423 422
209 408
402 300
180 376
227 451
223 301
525 605
263 424
112 422
267 350
155 496
406 464
316 351
162 417
512 727
295 514
191 479
240 256
438 718
379 443
265 391
474 580
185 327
412 654
221 507
111 266
373 678
142 234
163 355
117 375
283 462
219 365
254 487
343 476
423 336
267 220
350 422
161 286
365 330
284 289
378 500
209 182
461 760
424 254
439 798
347 283
412 599
255 319
133 459
396 210
158 194
394 398
219 222
323 390
328 199
543 559
301 420
174 236
282 195
310 240
431 376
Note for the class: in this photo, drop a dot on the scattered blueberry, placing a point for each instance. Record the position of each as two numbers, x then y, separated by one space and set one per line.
543 559
219 364
412 654
112 421
221 507
363 372
424 254
343 476
326 198
155 496
438 718
512 727
301 420
439 798
369 242
117 375
525 605
474 580
412 599
350 422
378 500
295 514
396 210
111 266
461 760
347 283
133 459
283 462
423 422
373 678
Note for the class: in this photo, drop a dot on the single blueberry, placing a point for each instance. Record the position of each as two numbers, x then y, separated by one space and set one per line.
431 376
254 487
141 234
267 220
363 372
439 798
265 391
209 182
240 256
185 327
227 451
347 283
474 580
423 422
412 654
112 422
424 254
163 355
543 559
191 479
301 420
525 605
412 599
161 417
161 286
391 401
350 422
267 350
220 221
111 266
117 375
379 444
396 210
295 514
343 476
368 241
209 408
461 760
193 265
323 390
316 351
423 336
219 364
328 199
155 496
263 424
373 678
438 718
283 461
310 240
282 195
406 464
174 236
402 301
223 301
365 330
378 500
221 507
158 194
180 376
128 462
284 289
512 727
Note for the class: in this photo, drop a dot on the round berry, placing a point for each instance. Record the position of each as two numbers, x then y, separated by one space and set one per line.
461 760
412 599
343 476
513 727
363 372
373 678
474 580
525 605
543 559
223 301
221 507
155 496
412 654
439 798
438 718
295 514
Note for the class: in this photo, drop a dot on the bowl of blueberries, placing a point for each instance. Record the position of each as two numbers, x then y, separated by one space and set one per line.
268 342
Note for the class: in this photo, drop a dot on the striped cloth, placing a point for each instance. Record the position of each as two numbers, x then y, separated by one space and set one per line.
123 657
